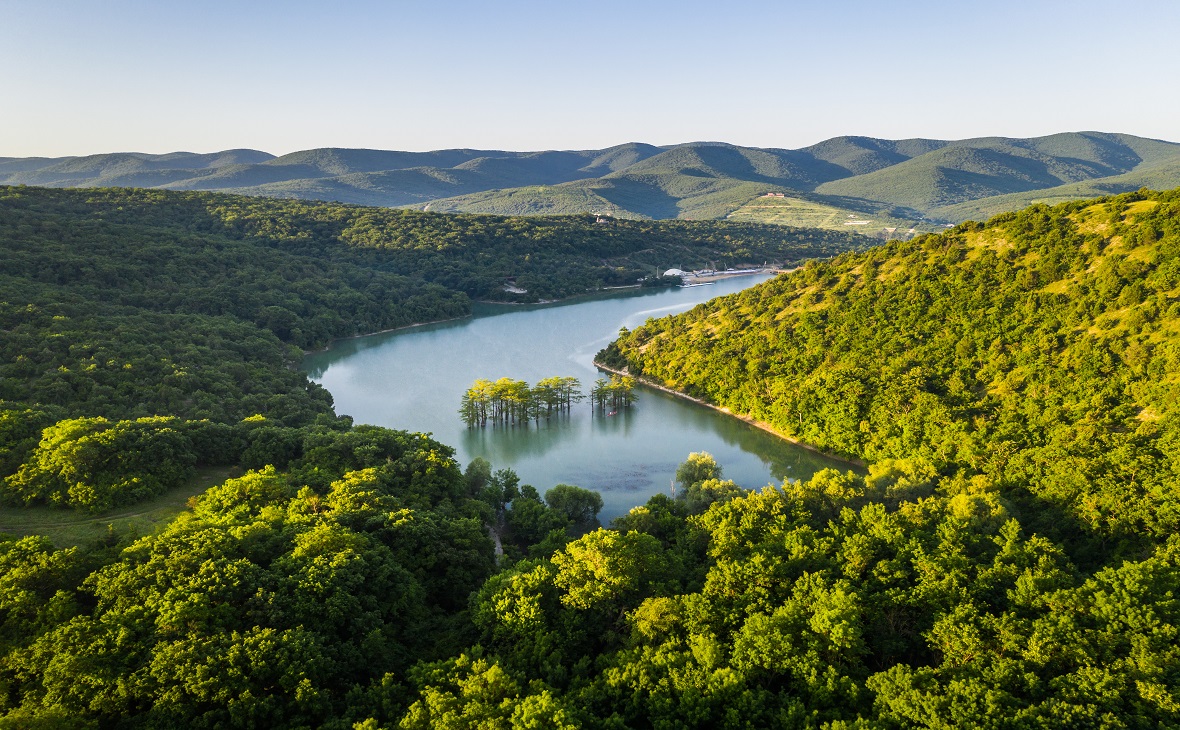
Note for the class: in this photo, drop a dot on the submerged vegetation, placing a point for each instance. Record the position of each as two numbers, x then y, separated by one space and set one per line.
1011 558
508 402
613 394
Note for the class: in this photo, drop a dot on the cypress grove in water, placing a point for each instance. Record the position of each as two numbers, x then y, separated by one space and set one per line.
508 402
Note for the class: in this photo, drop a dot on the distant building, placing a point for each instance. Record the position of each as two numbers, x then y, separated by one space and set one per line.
674 272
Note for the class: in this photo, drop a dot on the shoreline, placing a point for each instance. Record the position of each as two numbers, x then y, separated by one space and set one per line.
752 421
727 275
328 346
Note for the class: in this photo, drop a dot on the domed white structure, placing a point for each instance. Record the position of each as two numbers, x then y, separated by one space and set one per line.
673 272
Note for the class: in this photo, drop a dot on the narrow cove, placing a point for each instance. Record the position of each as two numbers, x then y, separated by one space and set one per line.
413 379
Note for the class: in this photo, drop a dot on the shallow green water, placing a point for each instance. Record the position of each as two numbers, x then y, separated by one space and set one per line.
413 379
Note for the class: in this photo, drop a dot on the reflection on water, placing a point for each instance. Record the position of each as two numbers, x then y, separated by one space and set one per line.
504 444
413 379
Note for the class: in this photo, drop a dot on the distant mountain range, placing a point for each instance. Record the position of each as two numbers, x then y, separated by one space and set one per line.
872 185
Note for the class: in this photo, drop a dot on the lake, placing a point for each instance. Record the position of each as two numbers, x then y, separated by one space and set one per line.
414 378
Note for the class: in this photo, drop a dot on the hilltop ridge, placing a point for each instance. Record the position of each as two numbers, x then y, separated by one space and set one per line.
882 187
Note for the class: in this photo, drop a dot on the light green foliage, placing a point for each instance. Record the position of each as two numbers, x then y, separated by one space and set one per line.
606 569
1034 356
513 402
265 604
701 485
613 395
94 464
698 467
700 495
879 220
475 693
37 590
938 612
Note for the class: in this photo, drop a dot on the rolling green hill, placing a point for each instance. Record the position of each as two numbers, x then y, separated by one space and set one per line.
860 155
907 184
1157 175
652 195
975 169
1036 357
345 175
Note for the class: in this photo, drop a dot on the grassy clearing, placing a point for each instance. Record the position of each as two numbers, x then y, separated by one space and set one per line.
66 528
811 214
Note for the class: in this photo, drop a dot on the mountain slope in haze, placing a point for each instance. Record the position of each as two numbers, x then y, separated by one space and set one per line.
861 155
911 184
121 169
343 175
974 169
653 195
1157 175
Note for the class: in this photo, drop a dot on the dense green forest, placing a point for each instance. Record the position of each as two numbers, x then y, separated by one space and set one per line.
1010 560
1035 357
382 254
132 303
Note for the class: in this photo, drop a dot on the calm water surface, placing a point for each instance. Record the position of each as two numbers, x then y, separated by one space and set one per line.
413 379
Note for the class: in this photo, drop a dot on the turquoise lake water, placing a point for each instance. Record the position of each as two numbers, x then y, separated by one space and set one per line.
414 378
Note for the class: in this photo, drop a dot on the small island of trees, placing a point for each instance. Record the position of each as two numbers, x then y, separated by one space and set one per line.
508 402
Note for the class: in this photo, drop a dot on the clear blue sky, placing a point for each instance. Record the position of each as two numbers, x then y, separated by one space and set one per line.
82 76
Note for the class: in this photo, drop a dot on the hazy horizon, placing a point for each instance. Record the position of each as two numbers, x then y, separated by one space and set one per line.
550 149
282 77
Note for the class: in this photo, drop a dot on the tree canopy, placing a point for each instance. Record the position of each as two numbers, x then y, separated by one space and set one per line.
1034 357
1010 559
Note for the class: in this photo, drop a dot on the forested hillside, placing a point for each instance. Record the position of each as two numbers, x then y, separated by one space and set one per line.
1036 357
1010 560
475 255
